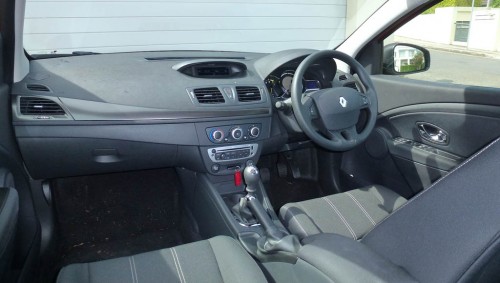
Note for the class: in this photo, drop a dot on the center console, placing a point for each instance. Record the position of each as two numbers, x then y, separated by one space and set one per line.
228 197
222 204
229 146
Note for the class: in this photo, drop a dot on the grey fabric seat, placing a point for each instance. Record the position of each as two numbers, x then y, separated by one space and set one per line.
449 232
351 214
219 259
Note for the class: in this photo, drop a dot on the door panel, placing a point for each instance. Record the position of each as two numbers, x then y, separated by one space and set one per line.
398 156
467 132
395 92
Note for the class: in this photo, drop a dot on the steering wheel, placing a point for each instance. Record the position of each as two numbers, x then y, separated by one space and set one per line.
329 116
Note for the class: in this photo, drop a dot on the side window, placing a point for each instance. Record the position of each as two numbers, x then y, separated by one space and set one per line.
462 37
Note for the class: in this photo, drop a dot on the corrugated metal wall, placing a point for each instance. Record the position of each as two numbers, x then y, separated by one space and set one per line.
121 25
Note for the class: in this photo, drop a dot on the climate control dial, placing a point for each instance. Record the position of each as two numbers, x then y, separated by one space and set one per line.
254 131
217 135
237 133
234 133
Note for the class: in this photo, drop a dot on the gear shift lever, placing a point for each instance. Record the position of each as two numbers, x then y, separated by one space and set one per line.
274 240
252 177
241 209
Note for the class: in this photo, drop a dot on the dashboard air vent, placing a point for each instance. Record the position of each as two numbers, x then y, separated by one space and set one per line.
37 87
248 93
351 85
208 95
40 106
342 77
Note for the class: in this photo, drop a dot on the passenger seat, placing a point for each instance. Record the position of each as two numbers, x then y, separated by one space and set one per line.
350 214
219 259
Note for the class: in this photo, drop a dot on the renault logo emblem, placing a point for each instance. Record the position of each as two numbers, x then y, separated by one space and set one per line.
343 102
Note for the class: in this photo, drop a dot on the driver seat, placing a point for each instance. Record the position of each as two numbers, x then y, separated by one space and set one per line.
351 214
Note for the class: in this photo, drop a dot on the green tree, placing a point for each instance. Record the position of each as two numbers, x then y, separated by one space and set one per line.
418 60
495 4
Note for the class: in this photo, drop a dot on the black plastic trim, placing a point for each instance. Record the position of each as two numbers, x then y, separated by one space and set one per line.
83 110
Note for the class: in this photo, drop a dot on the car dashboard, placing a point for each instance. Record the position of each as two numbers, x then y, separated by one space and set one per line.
205 111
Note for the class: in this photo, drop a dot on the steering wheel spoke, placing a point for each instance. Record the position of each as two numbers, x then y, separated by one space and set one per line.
350 134
365 101
328 116
311 110
346 136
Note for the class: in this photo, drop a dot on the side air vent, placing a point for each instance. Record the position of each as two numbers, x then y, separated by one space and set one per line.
208 95
37 87
342 77
248 93
40 106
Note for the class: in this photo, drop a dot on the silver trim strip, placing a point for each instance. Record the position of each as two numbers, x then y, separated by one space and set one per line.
227 149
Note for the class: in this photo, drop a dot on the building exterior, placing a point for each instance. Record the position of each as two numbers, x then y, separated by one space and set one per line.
477 28
244 25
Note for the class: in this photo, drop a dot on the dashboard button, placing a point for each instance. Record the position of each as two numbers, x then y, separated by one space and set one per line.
313 111
215 168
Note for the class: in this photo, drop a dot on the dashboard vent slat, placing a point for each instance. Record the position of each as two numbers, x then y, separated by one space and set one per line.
37 87
351 85
209 95
248 93
40 106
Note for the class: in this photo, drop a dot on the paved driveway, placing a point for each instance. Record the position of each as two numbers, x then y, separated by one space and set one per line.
457 68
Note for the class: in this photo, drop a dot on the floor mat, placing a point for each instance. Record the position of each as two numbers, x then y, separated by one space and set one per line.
113 215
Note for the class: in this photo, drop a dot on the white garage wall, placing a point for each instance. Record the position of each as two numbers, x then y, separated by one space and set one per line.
243 25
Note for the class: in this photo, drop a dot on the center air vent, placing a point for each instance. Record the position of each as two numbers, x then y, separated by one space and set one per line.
40 106
248 93
208 95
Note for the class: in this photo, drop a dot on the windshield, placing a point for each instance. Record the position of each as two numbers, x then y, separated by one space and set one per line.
63 27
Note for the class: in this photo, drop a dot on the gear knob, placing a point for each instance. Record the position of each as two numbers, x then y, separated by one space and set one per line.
252 178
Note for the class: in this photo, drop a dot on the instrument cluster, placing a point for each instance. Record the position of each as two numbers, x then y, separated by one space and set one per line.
279 83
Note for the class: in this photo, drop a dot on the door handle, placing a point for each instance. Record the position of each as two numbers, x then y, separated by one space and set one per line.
432 133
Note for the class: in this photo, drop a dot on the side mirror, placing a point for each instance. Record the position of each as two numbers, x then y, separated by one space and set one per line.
404 58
